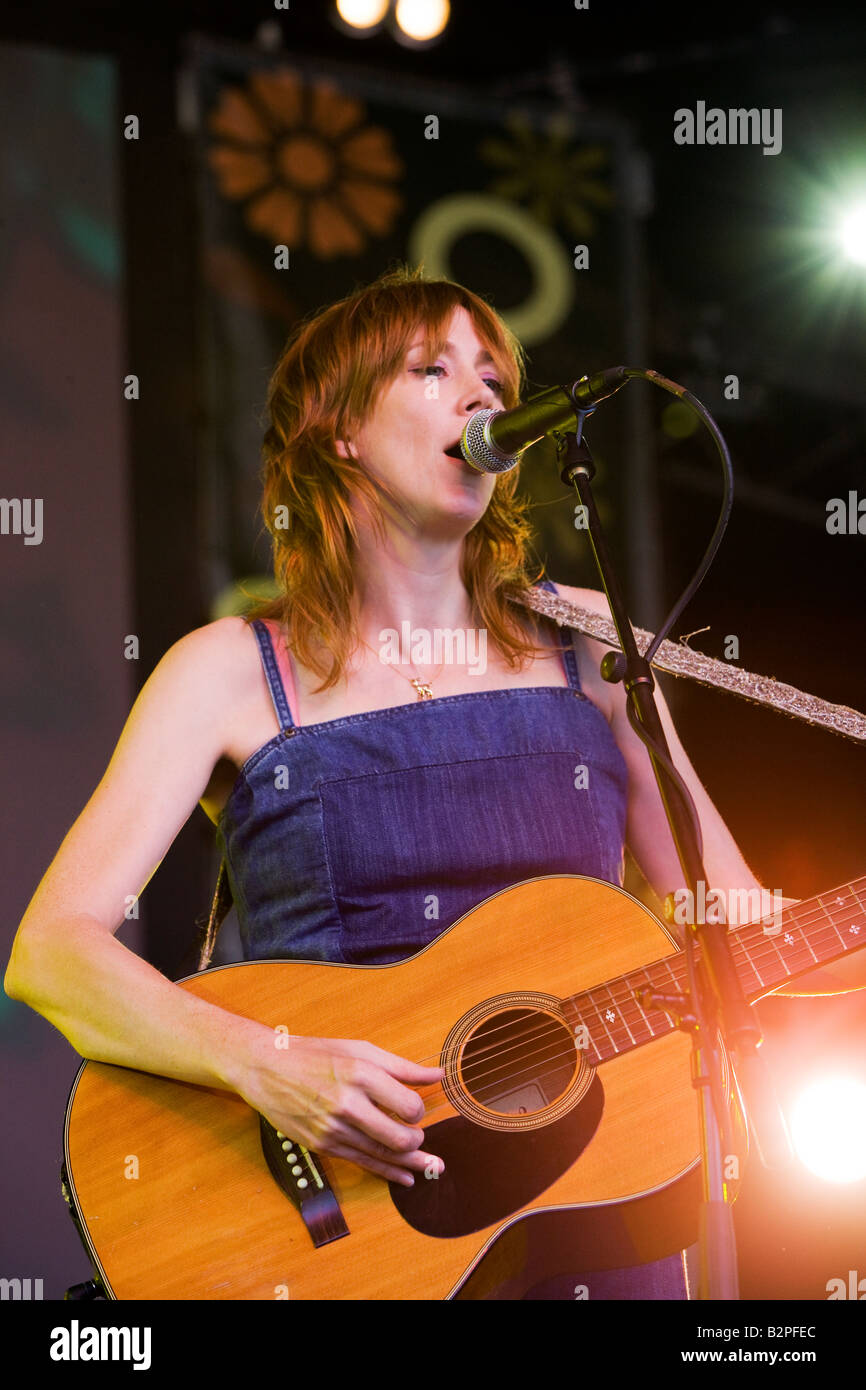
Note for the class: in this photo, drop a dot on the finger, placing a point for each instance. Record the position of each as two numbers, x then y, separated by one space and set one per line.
420 1160
397 1066
389 1094
374 1165
428 1164
374 1127
344 1132
404 1070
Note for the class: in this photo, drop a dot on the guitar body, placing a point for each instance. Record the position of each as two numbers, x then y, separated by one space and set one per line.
177 1200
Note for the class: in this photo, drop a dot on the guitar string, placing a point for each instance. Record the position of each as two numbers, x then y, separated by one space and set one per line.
629 999
476 1082
437 1094
627 1044
477 1079
746 950
751 957
523 1039
485 1078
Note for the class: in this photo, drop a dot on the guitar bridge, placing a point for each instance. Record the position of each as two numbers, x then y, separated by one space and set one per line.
298 1173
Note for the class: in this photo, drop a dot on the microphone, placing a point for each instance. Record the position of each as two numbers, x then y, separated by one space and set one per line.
493 440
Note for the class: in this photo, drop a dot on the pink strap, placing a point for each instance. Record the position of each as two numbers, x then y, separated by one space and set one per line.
284 665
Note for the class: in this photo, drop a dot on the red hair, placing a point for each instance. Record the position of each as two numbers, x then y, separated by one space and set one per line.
325 383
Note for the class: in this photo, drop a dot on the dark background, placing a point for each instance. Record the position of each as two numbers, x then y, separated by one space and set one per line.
734 272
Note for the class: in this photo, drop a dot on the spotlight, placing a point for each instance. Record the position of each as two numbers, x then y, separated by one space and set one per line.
828 1129
852 234
413 23
420 22
361 17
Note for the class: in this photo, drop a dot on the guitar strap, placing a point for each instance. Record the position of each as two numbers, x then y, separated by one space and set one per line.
679 660
673 657
219 908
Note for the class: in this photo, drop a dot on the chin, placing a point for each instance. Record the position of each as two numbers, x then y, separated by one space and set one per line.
466 505
457 520
458 502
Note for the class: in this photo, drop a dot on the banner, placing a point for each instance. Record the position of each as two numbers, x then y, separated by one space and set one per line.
315 178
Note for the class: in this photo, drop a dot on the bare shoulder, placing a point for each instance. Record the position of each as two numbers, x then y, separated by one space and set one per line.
212 674
193 689
172 740
223 635
223 651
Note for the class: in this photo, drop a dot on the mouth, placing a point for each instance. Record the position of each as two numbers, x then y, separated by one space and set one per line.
455 452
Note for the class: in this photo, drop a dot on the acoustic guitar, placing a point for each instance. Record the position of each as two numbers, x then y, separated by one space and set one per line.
566 1117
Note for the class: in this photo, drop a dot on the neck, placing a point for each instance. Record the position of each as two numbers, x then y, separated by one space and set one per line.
404 581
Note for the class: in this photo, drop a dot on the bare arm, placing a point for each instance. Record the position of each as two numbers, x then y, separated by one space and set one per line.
726 868
648 834
66 962
112 1006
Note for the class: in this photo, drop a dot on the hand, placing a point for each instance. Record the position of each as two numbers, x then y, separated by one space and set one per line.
339 1097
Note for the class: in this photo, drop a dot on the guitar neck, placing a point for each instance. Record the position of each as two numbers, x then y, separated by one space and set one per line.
803 937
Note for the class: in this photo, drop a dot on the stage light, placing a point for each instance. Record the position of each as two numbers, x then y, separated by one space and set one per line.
852 234
828 1129
362 14
421 21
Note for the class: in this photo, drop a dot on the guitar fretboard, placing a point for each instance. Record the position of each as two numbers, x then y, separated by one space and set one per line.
813 932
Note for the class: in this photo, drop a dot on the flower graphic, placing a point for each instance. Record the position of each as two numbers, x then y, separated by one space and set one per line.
308 169
555 180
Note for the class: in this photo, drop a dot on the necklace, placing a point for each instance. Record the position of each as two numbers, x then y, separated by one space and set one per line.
424 688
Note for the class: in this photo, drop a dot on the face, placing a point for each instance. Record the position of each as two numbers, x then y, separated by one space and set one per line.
420 415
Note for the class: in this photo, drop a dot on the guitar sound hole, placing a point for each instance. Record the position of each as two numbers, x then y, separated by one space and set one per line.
518 1062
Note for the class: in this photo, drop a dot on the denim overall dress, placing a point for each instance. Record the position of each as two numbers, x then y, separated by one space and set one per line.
337 837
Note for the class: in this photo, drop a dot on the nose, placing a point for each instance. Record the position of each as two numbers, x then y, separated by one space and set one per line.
477 395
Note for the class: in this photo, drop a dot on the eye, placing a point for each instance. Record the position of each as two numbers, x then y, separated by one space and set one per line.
428 371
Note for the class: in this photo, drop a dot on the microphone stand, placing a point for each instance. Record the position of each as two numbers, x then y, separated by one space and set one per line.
716 1002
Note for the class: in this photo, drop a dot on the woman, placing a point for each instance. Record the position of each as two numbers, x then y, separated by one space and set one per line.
436 784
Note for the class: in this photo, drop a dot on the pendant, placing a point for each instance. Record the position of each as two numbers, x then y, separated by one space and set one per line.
425 692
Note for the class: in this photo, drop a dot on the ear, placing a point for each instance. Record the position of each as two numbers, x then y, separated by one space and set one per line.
342 448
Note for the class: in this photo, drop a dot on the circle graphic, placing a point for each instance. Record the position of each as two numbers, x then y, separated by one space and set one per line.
550 301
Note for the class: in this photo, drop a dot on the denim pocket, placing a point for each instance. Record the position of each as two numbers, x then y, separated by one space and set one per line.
410 851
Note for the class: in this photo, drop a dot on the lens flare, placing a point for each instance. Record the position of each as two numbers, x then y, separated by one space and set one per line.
362 14
828 1129
422 19
852 234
